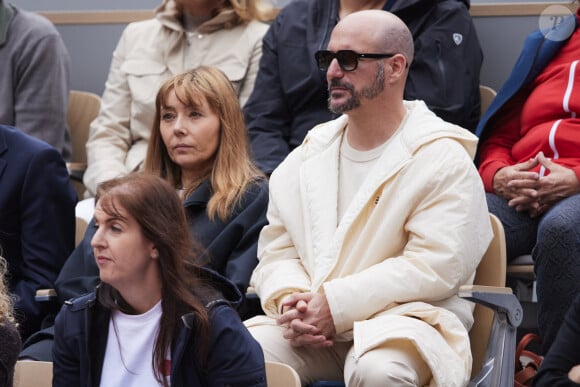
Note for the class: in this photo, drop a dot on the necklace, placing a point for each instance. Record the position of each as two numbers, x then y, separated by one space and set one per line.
119 346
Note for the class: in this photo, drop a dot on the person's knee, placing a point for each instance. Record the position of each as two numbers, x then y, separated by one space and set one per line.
558 235
270 339
274 346
398 364
388 373
556 225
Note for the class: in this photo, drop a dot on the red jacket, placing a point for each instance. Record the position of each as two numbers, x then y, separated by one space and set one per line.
544 116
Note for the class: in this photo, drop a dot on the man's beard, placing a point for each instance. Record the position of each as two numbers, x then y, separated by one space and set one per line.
355 97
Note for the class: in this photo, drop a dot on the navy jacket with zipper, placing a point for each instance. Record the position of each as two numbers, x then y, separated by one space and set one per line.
290 94
235 358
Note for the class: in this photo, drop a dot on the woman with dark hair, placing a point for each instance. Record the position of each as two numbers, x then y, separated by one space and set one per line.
199 145
9 337
156 318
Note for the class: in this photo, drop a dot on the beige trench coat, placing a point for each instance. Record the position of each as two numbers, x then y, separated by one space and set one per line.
148 53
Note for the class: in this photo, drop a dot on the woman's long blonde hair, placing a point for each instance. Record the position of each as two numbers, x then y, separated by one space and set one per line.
6 300
230 13
233 170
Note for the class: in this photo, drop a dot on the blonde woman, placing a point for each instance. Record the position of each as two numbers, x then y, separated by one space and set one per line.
184 34
199 144
9 337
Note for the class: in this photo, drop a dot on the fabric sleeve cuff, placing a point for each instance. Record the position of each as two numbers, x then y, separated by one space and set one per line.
488 172
340 325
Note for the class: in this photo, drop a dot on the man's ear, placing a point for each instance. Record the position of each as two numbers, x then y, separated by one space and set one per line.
399 67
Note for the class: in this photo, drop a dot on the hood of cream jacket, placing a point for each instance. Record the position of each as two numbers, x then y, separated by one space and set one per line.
421 127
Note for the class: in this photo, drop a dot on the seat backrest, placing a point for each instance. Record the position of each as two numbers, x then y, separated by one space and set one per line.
487 95
490 272
83 108
81 228
33 374
522 267
281 375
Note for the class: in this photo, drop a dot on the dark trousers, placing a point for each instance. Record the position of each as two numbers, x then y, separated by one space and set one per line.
554 241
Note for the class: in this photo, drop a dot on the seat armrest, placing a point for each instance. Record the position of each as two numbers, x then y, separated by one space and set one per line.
498 363
44 295
499 299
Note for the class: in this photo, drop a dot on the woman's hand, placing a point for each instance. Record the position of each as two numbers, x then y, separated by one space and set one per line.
561 183
516 181
308 320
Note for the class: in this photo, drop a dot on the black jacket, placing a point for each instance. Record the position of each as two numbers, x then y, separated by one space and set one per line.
290 94
234 358
563 354
9 349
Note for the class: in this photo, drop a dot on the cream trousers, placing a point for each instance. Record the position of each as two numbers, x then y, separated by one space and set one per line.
395 363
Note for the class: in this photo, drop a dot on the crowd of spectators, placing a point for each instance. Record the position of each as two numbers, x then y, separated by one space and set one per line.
252 161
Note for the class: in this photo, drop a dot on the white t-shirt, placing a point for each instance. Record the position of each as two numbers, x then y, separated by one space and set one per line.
354 167
129 352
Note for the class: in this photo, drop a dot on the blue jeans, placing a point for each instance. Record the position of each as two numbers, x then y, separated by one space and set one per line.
554 241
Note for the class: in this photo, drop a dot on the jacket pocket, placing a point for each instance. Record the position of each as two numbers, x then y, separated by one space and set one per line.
144 78
235 71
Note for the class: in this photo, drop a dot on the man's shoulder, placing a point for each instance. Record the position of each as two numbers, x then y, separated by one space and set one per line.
420 15
420 7
297 11
423 127
321 136
317 140
417 9
297 6
454 5
30 25
325 131
15 138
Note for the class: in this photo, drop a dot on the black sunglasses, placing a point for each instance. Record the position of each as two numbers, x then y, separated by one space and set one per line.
347 59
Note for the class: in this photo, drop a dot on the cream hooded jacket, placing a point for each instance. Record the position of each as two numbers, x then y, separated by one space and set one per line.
148 53
412 235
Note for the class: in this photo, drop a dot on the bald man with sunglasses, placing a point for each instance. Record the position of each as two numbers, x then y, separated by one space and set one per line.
375 221
289 96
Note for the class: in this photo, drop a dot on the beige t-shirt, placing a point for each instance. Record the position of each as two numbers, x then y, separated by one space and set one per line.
354 166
